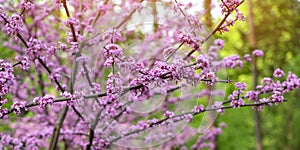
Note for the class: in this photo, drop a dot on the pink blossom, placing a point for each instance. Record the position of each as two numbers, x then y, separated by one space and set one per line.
25 62
18 105
219 42
219 105
193 42
112 52
247 57
232 61
202 63
112 35
237 103
240 85
240 16
258 53
14 25
198 109
169 114
27 5
43 101
278 73
267 80
7 78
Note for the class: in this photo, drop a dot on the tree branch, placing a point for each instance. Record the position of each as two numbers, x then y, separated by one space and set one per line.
181 116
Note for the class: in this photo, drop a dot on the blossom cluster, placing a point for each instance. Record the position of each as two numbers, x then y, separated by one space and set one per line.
14 25
76 96
7 77
27 5
202 62
228 7
235 97
235 60
193 42
3 111
17 106
35 48
114 88
198 109
260 96
156 76
24 62
112 53
43 101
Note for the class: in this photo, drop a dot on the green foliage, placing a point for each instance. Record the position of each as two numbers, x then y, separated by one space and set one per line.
277 30
239 133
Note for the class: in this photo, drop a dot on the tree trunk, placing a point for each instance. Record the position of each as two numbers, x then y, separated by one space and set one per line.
253 45
207 14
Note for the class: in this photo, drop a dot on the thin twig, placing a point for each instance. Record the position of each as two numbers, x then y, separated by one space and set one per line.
127 18
213 32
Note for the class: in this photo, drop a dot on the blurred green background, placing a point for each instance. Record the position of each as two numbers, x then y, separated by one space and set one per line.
277 33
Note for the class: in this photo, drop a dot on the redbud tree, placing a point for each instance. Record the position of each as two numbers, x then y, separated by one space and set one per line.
104 74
